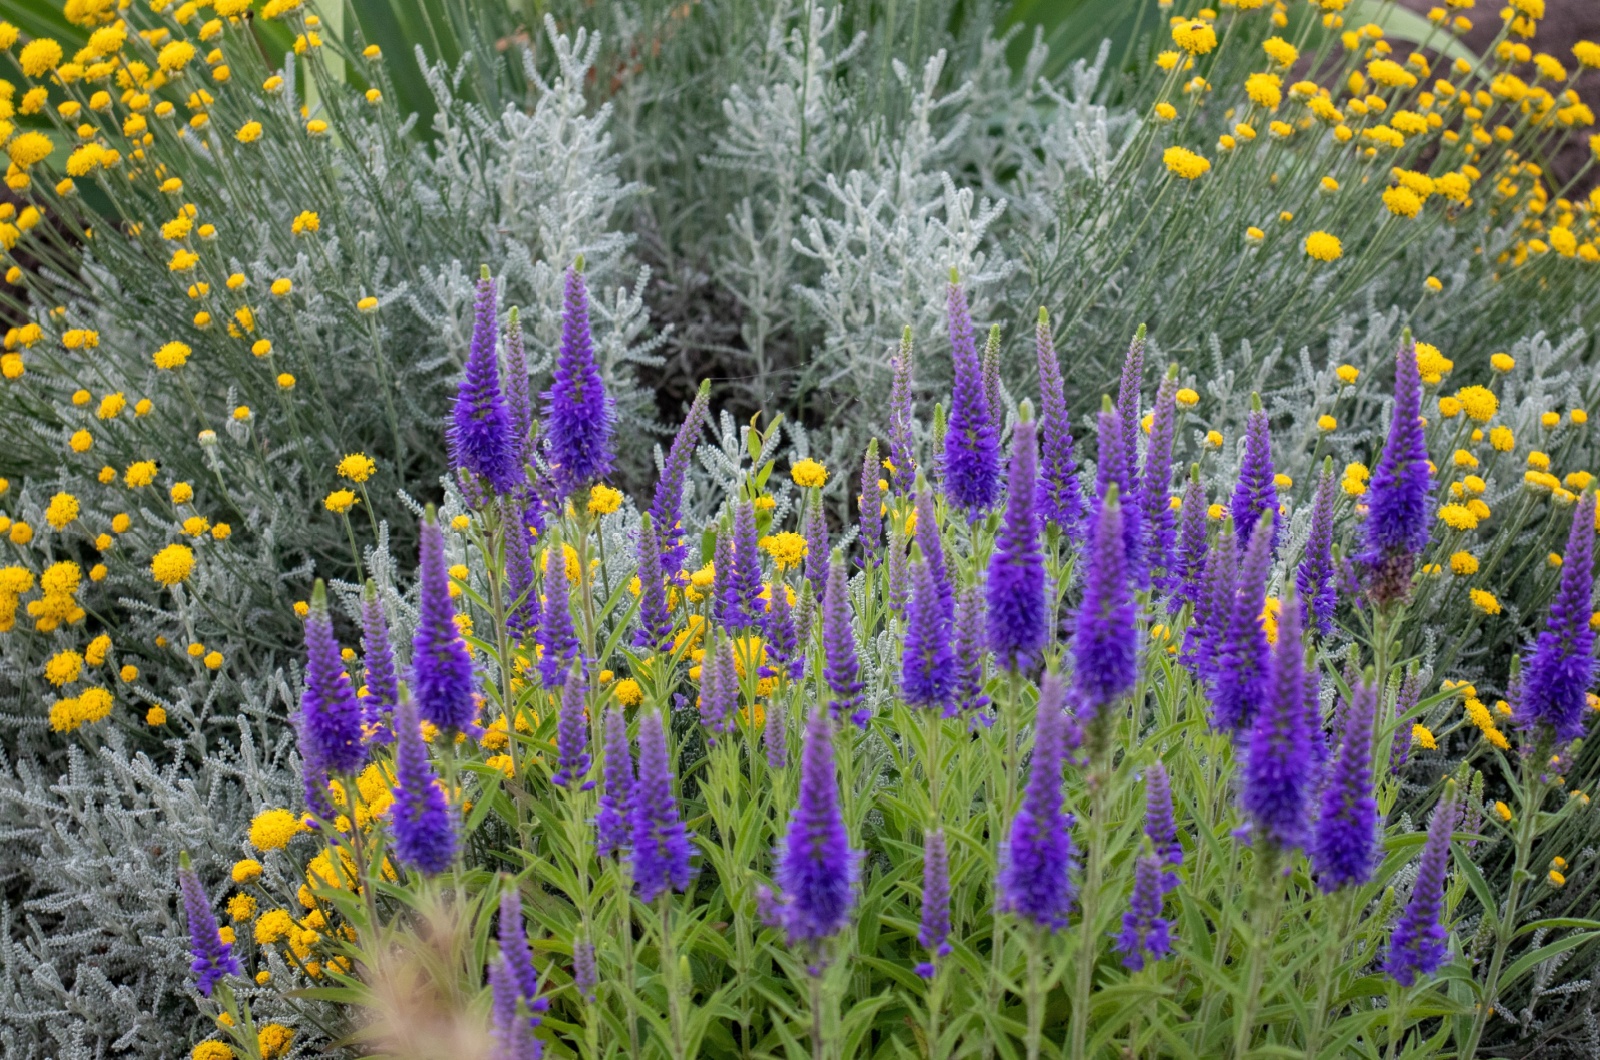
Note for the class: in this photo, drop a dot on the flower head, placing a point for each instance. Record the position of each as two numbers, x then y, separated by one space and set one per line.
424 834
572 735
1345 848
1560 669
655 620
927 665
1256 491
1396 529
616 795
1239 654
660 854
212 959
1105 648
840 667
441 666
172 564
1417 946
815 868
1037 858
1145 932
971 448
1060 495
1018 612
330 714
933 933
1314 577
480 437
382 683
578 413
666 511
1155 501
1278 784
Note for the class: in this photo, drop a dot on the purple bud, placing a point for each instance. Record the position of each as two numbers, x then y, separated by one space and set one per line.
611 820
815 868
519 396
1128 403
655 620
1314 577
1344 851
1405 702
1037 859
1278 779
1105 647
1060 494
840 667
424 834
1192 548
815 528
481 437
1418 944
775 734
1257 489
330 714
660 854
932 545
1145 932
1396 530
441 666
523 620
971 649
870 506
927 667
784 653
1159 824
518 957
747 587
213 958
1241 656
1116 468
585 969
1156 499
578 414
1018 610
971 445
666 512
899 563
383 685
719 687
902 416
1213 613
1560 668
934 932
509 1032
572 735
991 380
557 639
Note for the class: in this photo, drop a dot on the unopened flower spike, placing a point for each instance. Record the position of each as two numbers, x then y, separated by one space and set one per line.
383 681
1396 528
1156 483
870 506
1129 394
667 508
991 380
1418 945
1314 577
1116 467
1279 777
902 415
1193 543
1105 644
519 394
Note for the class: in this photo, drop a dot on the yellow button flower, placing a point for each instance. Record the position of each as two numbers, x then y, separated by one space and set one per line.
172 564
340 501
1323 246
809 474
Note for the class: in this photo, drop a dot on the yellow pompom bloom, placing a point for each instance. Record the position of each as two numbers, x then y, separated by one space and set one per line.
213 660
1214 439
172 564
29 148
1502 811
273 1041
1432 364
172 355
628 692
1194 36
1479 403
787 549
1185 163
603 500
1347 374
1539 461
357 467
62 510
246 870
285 381
1280 51
1463 563
181 493
1402 201
1423 737
273 829
1502 440
248 133
1187 398
1265 90
1578 416
211 1050
242 907
38 57
1323 246
340 501
63 668
1165 111
1458 517
155 715
1485 601
275 924
175 55
1449 407
120 522
1550 420
304 222
809 474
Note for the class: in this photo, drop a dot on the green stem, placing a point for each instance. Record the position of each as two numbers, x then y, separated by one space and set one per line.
1033 993
1263 925
1089 896
669 975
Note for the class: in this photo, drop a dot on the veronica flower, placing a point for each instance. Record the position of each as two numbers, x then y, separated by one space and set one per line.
523 618
1060 495
441 666
932 546
1278 781
424 834
784 652
1344 851
666 511
572 736
1105 646
1037 859
815 869
1116 468
719 687
1313 578
518 956
481 437
611 819
775 734
585 969
519 396
1560 669
870 505
558 642
655 619
747 565
578 414
213 958
1159 824
902 415
814 527
899 575
970 651
1018 610
934 932
927 666
660 854
383 685
330 714
1129 391
1145 932
971 445
1213 611
726 606
1240 665
1396 530
1257 491
509 1033
1189 587
1155 502
1404 703
1417 946
840 667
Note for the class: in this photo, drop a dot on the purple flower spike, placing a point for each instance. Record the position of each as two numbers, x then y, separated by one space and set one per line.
556 636
519 396
1396 529
578 414
1314 578
585 969
971 649
934 932
213 958
991 380
927 665
726 609
815 528
441 666
971 446
1213 612
775 735
660 843
1060 494
1159 824
518 956
1128 403
932 545
784 653
870 506
1405 702
383 684
611 820
1278 779
666 512
1560 669
572 736
330 714
1155 502
1105 647
1192 546
509 1032
1145 932
481 437
902 416
747 587
424 834
815 868
655 620
1018 610
1257 490
1344 851
1037 859
719 687
840 667
1240 659
1418 945
899 577
1116 469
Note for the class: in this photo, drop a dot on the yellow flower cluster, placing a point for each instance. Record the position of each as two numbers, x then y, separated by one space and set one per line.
1479 715
809 474
89 706
787 549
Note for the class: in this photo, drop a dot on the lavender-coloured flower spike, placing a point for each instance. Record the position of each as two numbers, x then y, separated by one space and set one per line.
1278 779
934 932
611 819
726 606
1257 489
424 834
572 736
1018 610
1241 655
655 619
585 969
815 529
775 734
1314 577
1213 612
578 413
971 648
927 665
840 667
660 854
1128 403
1189 587
815 868
1037 858
1344 851
1560 669
902 415
1060 494
1418 945
1156 500
747 565
557 640
1405 702
1396 530
931 543
330 714
1145 932
383 683
441 666
523 619
518 956
784 652
1159 823
899 564
870 506
1316 736
509 1034
1116 468
991 380
1105 646
213 958
719 687
519 395
666 511
971 466
481 438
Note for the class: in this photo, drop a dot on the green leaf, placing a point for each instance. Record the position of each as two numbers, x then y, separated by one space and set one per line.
1527 961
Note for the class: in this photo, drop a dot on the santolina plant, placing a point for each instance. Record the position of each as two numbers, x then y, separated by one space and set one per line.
759 806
